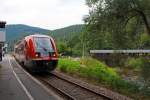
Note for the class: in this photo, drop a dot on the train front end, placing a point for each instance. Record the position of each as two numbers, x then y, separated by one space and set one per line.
43 53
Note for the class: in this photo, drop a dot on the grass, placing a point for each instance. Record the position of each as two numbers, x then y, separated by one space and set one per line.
93 69
68 65
97 70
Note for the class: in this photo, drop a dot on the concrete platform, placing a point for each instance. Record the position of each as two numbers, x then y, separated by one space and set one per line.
12 89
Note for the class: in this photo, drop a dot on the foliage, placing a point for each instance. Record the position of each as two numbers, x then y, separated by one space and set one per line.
95 70
122 20
111 24
70 37
70 48
75 43
88 67
63 49
68 65
135 63
145 41
142 65
146 71
67 33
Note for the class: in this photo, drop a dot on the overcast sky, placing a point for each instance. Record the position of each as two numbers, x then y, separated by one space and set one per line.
49 14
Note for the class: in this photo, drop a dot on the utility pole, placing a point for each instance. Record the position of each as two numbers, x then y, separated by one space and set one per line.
83 46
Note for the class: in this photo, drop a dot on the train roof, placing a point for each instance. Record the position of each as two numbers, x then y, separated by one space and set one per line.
119 51
30 36
38 35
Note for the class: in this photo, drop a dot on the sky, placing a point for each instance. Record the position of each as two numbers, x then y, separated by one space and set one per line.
48 14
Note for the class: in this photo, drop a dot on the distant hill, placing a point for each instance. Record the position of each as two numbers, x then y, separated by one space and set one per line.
17 31
14 32
67 32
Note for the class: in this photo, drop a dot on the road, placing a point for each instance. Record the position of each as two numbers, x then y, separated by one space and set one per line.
15 84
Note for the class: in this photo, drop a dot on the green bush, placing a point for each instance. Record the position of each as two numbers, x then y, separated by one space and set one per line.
135 63
93 69
145 71
68 65
98 70
88 68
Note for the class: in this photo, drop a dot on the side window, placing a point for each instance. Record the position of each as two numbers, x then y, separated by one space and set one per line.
25 44
21 47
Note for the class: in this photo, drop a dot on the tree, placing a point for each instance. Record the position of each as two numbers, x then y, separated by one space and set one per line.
145 41
63 49
114 16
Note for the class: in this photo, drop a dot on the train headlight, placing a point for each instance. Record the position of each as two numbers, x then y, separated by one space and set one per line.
52 54
37 54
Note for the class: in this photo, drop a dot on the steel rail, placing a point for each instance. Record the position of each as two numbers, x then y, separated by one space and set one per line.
83 87
59 91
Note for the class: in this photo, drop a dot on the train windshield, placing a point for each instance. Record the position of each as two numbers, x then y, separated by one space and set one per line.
43 44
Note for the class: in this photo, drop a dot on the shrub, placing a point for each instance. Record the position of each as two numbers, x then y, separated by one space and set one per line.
68 65
88 68
93 69
135 63
98 70
145 71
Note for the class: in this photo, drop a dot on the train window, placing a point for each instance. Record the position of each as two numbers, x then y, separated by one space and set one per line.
25 44
21 47
43 43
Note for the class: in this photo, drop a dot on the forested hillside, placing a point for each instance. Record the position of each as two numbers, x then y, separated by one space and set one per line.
67 32
69 39
14 32
18 31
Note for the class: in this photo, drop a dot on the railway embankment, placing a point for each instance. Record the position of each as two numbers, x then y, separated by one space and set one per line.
99 74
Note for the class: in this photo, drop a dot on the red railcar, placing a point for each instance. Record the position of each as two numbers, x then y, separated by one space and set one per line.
37 52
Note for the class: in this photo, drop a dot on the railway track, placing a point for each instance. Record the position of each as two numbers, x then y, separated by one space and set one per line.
61 93
69 89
